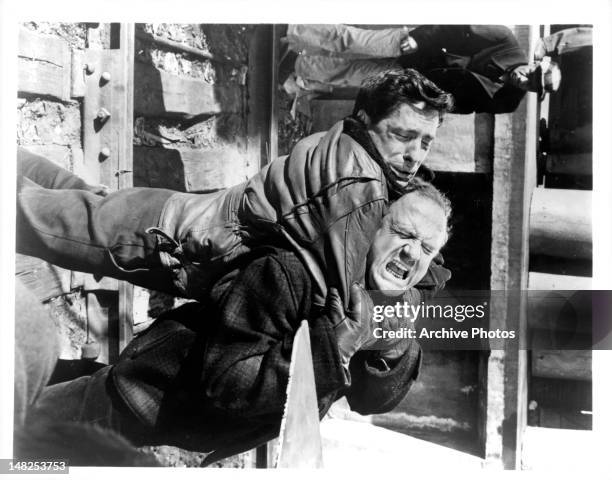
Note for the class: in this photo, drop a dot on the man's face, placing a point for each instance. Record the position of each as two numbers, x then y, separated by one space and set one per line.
411 235
404 138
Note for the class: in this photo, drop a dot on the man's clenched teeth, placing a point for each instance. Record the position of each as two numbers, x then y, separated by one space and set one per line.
397 270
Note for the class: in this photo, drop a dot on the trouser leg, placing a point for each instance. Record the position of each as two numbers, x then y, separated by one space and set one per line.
105 236
36 350
91 400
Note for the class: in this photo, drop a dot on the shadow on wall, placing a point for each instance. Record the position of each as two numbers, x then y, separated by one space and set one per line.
191 114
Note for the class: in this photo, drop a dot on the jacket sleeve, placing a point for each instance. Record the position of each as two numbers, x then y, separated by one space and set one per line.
564 41
46 173
344 40
246 365
462 39
378 387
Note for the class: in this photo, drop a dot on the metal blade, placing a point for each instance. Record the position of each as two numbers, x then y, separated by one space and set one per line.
300 437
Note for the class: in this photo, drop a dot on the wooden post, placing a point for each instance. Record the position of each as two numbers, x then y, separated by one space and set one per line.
263 123
561 223
514 177
124 66
108 117
262 94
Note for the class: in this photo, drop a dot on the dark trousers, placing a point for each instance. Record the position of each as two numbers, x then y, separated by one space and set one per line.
105 236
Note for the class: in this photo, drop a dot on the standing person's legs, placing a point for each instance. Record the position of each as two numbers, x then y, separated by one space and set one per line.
36 350
106 236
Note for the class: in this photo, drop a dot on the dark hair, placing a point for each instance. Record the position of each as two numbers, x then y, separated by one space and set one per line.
382 93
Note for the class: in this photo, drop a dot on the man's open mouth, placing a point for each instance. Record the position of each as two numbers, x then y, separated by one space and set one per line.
397 270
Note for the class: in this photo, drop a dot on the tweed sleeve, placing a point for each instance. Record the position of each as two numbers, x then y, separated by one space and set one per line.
246 366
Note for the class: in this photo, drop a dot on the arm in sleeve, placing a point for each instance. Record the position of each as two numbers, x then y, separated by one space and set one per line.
246 365
564 41
345 40
462 39
46 173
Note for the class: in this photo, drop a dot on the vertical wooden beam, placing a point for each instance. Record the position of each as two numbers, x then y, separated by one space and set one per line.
273 133
514 177
262 87
108 116
262 141
124 66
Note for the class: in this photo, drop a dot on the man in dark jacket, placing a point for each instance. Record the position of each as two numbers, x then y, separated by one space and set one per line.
181 243
483 66
212 376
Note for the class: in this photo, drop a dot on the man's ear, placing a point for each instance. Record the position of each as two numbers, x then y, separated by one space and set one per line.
364 118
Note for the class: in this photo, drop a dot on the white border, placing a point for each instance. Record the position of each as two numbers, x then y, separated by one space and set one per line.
596 12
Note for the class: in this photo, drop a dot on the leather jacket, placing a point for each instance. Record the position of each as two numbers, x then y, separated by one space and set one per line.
326 201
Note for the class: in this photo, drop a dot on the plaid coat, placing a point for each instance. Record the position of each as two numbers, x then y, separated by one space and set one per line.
219 386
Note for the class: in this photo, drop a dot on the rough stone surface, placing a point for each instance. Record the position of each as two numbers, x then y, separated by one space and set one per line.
212 132
74 33
176 457
70 314
41 122
225 42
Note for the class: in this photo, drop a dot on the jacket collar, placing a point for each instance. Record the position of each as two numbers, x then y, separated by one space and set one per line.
355 129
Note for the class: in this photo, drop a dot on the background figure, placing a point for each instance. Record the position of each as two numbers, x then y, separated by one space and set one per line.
36 353
483 66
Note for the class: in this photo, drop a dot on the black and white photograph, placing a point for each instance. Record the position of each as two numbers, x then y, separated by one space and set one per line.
250 240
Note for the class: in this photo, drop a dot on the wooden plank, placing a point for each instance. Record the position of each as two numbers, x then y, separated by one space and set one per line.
108 157
77 74
325 113
92 143
45 280
560 223
123 66
561 393
564 418
453 150
514 177
443 398
273 131
162 94
123 63
563 364
549 281
44 65
570 163
189 170
259 93
560 311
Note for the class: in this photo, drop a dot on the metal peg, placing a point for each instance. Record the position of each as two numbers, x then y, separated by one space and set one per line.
90 68
103 115
106 76
105 153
